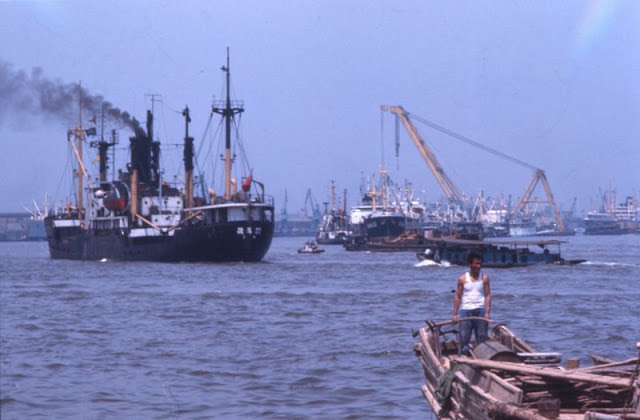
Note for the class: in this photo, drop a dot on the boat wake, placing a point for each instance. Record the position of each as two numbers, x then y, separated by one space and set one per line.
430 263
609 264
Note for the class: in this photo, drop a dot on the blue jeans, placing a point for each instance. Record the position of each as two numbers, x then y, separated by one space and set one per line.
466 327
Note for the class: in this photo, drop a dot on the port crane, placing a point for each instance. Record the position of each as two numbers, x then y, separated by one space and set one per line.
438 172
446 184
316 213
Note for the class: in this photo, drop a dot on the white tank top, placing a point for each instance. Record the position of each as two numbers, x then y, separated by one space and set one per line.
473 294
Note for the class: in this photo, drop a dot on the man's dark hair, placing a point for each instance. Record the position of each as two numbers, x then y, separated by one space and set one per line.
473 255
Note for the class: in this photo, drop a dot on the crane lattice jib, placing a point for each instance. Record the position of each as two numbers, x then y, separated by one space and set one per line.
436 169
539 175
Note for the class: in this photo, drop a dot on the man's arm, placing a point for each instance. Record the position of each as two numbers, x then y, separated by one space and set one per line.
458 297
487 296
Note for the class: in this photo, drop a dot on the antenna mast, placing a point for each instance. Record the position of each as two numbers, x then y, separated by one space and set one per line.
227 110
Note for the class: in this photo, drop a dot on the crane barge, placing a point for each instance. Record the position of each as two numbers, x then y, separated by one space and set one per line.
447 185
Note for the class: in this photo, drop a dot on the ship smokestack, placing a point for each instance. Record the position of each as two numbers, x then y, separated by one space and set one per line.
141 156
150 125
103 146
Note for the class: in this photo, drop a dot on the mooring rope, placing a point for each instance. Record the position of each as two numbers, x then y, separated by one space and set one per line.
443 391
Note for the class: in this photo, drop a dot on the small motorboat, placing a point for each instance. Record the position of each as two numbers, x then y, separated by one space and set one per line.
310 247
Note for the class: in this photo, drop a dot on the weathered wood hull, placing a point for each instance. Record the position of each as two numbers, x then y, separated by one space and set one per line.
500 386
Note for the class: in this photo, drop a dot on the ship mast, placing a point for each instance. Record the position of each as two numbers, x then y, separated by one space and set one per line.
75 137
188 160
79 139
333 195
227 112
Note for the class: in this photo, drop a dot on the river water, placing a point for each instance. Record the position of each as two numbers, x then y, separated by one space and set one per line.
320 336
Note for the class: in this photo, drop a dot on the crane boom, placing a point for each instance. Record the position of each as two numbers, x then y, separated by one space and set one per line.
438 172
540 176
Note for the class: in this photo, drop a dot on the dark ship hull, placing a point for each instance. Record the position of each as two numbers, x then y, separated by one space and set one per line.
606 224
331 238
217 242
384 226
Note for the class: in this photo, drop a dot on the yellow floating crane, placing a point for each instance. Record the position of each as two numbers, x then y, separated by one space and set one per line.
445 182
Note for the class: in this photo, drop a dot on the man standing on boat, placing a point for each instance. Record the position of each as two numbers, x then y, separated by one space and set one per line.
473 299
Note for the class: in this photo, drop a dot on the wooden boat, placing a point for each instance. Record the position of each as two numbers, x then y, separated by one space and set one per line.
505 378
495 254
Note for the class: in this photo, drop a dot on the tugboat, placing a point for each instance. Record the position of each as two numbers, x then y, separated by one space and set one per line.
140 216
310 247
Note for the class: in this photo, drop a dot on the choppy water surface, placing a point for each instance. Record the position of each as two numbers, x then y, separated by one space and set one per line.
297 336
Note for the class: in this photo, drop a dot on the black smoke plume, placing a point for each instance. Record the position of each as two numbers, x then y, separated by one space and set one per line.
35 95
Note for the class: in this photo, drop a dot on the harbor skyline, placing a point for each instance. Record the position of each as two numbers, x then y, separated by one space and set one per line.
554 85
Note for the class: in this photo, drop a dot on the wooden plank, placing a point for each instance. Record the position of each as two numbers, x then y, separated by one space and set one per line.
545 372
435 406
493 384
480 405
512 412
600 360
429 355
627 362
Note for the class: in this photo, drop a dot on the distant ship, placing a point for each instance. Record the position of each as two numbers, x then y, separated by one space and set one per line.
613 219
600 223
378 219
140 216
522 226
332 230
21 227
333 226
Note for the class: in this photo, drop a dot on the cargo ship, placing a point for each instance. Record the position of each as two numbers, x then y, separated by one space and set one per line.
141 217
614 219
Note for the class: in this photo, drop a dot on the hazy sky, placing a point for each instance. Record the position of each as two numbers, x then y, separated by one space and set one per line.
555 84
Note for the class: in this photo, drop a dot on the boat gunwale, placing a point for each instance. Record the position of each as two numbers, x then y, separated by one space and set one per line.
227 205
